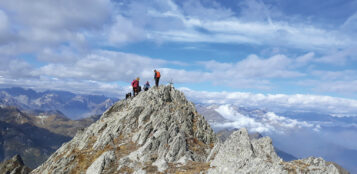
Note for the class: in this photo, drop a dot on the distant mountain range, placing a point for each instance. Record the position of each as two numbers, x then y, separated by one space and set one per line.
35 135
74 106
35 124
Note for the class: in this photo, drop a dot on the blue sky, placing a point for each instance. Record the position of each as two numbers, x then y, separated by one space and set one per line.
250 46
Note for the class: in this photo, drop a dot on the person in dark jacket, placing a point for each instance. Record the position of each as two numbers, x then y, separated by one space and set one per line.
157 77
135 85
146 86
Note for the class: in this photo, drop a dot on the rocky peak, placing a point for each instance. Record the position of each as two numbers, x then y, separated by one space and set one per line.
15 165
156 131
242 154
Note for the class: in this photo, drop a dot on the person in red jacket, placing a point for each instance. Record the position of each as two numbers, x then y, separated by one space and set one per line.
135 85
157 77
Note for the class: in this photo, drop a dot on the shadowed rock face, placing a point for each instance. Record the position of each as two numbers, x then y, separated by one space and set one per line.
34 144
160 131
35 136
15 165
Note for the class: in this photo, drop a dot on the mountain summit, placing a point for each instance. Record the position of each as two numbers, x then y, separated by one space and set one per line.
160 131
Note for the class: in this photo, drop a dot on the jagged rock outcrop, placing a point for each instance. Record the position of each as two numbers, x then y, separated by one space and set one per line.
158 130
240 154
15 165
225 133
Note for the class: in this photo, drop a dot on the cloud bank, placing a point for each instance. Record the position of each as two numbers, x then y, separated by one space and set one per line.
266 122
277 102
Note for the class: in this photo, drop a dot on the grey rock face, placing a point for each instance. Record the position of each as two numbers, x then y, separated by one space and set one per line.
158 130
239 154
15 165
102 163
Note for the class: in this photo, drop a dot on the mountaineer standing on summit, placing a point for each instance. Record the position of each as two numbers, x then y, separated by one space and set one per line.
157 77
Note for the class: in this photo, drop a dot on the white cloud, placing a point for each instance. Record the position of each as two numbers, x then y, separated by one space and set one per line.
252 72
335 75
124 31
253 10
345 87
77 86
276 102
191 21
104 66
266 122
257 24
15 68
60 54
339 57
350 25
196 9
240 30
342 82
239 120
113 23
4 24
58 15
51 23
305 59
183 76
276 66
6 35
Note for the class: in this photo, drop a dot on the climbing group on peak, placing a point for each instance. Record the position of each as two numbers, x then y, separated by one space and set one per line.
137 88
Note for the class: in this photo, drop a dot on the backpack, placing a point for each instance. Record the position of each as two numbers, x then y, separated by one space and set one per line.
158 74
134 83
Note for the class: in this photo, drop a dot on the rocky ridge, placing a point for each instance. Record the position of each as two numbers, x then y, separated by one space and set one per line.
15 165
160 131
